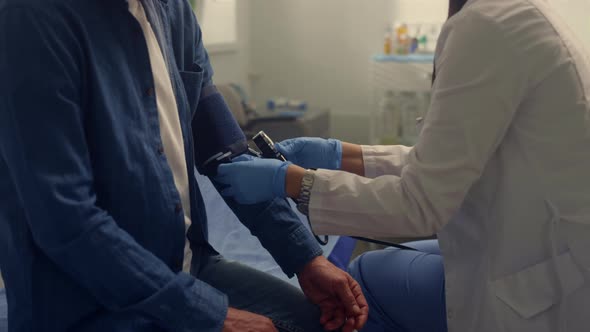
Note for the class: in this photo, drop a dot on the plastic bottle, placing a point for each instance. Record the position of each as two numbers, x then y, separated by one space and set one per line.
414 45
402 38
413 33
422 44
297 105
389 119
388 42
277 104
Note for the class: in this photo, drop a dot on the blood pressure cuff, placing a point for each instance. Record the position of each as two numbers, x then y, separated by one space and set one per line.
216 134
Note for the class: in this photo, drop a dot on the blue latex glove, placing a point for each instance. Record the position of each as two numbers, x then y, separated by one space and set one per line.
309 152
251 180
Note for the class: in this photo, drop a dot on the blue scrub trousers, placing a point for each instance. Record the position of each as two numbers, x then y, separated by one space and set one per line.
404 288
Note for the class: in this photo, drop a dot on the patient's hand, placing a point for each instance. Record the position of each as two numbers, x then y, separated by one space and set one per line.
337 294
240 321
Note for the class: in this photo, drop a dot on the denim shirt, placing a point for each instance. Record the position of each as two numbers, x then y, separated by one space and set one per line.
91 226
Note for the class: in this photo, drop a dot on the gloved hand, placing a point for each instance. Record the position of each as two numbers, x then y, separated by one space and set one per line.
252 180
309 152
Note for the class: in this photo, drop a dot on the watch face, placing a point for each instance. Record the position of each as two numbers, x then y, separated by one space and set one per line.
308 178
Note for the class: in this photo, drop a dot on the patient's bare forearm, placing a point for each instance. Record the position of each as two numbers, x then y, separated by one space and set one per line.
352 159
293 181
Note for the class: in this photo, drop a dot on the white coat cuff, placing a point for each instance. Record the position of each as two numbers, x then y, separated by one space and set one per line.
384 159
370 155
319 216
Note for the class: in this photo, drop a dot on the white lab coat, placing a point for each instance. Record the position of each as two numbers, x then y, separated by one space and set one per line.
500 173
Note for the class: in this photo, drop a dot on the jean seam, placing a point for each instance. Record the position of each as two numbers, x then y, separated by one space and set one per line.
286 326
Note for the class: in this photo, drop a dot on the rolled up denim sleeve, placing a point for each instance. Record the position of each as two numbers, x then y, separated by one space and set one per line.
280 231
42 140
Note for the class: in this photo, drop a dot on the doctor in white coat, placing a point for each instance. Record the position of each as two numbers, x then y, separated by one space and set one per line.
501 174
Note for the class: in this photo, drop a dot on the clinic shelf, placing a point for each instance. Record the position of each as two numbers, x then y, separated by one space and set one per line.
410 58
398 73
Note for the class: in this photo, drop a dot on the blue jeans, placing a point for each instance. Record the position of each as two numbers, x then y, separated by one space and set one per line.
3 312
254 291
247 289
404 289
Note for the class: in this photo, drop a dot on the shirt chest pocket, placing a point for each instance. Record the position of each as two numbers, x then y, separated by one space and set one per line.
192 80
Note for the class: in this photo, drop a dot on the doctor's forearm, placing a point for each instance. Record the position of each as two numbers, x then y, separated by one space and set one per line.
352 162
352 159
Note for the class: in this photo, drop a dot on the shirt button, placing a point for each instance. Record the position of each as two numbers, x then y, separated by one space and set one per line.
160 150
150 92
178 208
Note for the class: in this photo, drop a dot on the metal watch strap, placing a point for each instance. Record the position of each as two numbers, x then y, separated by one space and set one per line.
305 192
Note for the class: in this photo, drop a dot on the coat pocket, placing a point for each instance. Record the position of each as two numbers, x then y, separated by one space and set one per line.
536 289
577 235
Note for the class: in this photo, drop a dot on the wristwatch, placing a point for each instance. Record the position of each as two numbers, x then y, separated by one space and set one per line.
305 193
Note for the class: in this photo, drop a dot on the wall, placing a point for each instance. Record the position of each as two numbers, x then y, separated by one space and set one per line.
339 52
218 20
320 51
231 61
316 50
423 11
577 14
